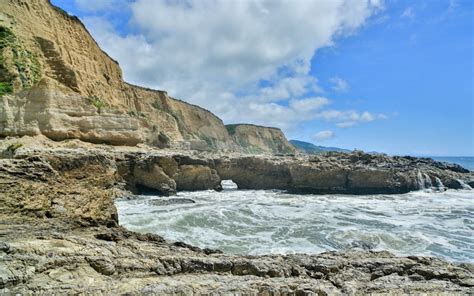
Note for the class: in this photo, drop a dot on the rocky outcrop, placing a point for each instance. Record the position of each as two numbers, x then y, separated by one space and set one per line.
351 173
59 232
260 139
166 174
55 111
79 189
56 81
50 258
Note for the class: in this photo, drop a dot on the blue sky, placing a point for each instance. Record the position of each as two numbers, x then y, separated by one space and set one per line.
388 76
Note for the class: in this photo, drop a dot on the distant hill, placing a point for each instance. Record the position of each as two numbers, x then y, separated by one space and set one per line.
310 148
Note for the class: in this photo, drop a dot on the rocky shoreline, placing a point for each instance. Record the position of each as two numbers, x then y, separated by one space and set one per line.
56 257
59 227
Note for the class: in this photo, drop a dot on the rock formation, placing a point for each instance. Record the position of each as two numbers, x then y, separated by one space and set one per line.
256 139
44 261
164 172
337 172
59 231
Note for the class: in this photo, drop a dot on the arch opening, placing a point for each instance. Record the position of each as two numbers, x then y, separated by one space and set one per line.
229 185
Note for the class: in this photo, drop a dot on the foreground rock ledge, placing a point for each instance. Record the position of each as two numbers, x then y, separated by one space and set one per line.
59 230
55 257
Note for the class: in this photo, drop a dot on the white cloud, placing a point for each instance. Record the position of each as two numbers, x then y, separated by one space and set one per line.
288 87
273 114
346 124
366 116
339 84
409 12
351 118
308 104
246 61
323 135
234 44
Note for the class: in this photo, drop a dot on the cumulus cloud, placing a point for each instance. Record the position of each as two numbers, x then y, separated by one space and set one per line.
289 87
339 84
308 104
246 61
323 135
348 119
274 114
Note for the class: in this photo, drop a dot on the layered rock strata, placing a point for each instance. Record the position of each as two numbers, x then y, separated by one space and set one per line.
55 179
335 172
59 235
50 257
56 81
257 139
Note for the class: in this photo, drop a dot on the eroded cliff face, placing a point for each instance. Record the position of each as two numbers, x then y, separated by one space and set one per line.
56 81
260 139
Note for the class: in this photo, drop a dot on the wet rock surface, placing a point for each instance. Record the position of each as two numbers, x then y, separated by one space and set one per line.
48 258
347 173
59 232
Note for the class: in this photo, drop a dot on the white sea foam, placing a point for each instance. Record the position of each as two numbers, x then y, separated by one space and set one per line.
263 221
464 185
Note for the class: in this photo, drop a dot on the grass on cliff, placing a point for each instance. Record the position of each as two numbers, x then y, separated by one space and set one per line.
24 65
208 141
5 88
97 102
231 128
11 149
15 146
136 114
157 105
164 139
6 39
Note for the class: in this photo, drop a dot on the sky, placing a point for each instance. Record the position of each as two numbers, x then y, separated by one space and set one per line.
392 76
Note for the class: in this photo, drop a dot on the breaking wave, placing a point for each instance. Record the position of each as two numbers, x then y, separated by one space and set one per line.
262 221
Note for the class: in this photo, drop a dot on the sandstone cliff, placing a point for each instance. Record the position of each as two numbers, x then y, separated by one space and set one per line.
260 139
56 81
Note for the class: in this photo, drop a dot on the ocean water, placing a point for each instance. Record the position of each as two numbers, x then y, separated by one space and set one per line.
264 221
465 161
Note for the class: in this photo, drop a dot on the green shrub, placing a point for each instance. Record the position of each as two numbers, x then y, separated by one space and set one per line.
157 105
208 141
97 102
5 88
231 128
7 37
163 138
136 114
25 62
13 147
